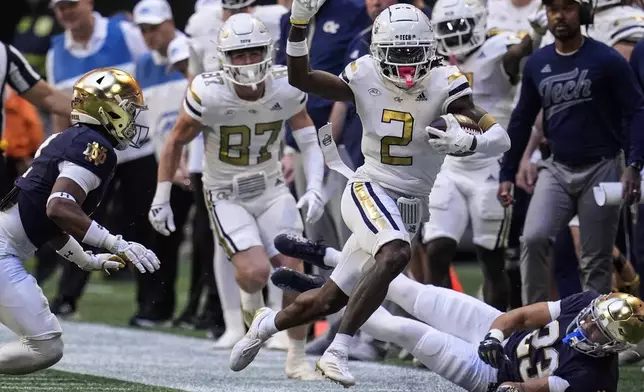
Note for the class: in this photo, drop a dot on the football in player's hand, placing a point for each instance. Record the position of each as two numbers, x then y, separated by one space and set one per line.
468 125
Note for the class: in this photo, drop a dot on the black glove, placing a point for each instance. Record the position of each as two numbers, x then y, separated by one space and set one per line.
491 351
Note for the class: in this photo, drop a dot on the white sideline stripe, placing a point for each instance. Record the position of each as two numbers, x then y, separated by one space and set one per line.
190 364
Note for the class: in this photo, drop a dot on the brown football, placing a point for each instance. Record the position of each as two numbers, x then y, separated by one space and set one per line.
468 125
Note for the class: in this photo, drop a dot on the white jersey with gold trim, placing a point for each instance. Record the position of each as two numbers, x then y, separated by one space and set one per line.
505 16
243 136
619 23
491 90
611 25
394 141
203 28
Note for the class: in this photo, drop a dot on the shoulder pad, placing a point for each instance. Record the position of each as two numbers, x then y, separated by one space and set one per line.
351 70
88 149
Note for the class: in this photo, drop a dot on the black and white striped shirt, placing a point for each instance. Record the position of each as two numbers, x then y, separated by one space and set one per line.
15 71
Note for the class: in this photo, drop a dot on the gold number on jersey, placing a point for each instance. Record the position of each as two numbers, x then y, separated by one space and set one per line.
234 154
387 141
541 340
238 154
274 128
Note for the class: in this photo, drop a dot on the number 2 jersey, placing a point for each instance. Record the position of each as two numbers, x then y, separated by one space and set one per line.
394 140
244 136
541 353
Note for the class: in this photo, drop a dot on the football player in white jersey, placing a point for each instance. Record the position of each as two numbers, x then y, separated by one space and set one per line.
465 189
245 107
205 23
398 90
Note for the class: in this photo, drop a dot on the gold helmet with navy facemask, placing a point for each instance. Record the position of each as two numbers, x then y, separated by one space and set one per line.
111 98
610 324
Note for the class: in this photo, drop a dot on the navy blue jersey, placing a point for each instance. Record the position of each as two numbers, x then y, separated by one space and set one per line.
540 353
637 61
586 97
80 145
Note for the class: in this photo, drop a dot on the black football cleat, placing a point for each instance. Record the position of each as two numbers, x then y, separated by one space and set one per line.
302 248
291 280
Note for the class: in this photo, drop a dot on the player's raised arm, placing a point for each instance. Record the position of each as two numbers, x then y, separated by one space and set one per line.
185 129
300 74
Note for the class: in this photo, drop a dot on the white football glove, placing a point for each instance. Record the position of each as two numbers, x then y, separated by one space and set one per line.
162 218
453 140
141 257
101 261
539 21
315 205
303 10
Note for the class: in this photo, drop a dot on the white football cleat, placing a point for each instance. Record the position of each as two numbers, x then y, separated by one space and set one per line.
278 342
298 367
228 339
334 365
247 348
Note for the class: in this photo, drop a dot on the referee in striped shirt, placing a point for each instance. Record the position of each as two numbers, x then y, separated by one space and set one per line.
16 71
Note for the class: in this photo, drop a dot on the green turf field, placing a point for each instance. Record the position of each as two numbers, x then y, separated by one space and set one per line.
112 303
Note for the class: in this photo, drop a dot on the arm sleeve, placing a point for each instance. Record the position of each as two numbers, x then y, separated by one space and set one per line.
554 307
134 40
457 87
557 384
520 126
629 94
20 76
87 180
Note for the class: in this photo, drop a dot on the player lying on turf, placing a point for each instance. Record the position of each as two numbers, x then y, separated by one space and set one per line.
51 203
399 90
568 345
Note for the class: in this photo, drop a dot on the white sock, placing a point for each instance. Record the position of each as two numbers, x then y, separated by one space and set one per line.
250 302
297 347
228 292
332 257
275 295
267 325
341 343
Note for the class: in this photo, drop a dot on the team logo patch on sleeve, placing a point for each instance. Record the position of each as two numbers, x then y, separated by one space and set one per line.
95 153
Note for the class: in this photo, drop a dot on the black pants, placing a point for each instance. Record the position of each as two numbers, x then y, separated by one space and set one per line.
124 211
202 274
156 294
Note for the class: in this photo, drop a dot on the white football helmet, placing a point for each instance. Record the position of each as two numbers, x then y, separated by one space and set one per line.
403 44
236 4
460 26
244 31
